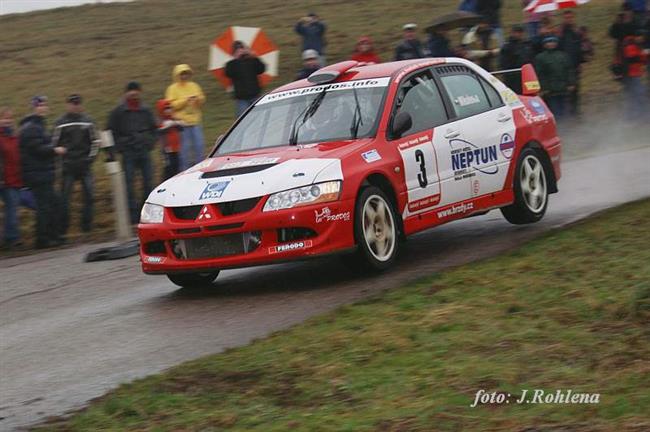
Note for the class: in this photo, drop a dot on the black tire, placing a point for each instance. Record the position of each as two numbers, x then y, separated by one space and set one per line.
385 228
531 195
193 280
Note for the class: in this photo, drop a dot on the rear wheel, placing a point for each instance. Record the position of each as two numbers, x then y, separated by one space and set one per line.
375 229
530 188
193 280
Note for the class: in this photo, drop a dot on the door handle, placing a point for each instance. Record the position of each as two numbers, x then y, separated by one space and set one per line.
452 134
503 118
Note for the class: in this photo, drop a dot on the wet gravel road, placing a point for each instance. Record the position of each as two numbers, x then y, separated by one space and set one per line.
69 331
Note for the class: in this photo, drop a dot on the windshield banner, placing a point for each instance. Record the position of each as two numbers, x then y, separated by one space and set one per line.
346 85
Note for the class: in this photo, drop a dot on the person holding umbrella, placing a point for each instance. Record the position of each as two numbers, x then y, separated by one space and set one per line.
244 70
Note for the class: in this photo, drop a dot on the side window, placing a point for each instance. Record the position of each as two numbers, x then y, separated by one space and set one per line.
466 95
419 96
493 96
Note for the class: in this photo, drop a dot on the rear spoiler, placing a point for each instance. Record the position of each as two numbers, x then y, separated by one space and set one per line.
529 81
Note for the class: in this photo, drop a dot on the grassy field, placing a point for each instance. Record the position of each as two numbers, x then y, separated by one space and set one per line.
96 49
570 310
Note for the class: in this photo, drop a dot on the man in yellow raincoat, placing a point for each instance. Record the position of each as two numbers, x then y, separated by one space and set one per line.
187 98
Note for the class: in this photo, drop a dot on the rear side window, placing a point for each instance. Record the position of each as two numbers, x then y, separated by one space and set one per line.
420 97
493 96
466 94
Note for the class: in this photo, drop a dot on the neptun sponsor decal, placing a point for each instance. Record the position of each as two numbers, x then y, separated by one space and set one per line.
290 247
462 208
466 158
326 215
214 190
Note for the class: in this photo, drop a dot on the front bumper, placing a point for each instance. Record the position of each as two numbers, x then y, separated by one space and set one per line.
245 239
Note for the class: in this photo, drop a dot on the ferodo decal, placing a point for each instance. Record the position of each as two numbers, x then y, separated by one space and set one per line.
346 85
466 158
326 215
214 190
250 162
290 247
507 146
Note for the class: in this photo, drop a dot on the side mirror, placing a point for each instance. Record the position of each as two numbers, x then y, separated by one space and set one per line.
529 81
401 124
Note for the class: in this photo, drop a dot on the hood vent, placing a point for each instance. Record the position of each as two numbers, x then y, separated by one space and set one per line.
237 171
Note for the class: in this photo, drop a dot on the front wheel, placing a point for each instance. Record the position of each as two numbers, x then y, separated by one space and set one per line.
375 229
530 188
193 280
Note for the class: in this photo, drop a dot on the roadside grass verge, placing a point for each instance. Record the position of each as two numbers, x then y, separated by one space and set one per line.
570 310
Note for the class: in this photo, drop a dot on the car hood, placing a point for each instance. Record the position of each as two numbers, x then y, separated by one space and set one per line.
256 173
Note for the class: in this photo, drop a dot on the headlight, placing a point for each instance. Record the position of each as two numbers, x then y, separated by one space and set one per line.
306 195
151 213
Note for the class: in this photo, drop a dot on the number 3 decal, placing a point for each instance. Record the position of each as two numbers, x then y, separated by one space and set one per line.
422 175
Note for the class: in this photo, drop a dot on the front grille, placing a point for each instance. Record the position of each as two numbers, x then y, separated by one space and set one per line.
187 212
237 171
235 207
216 247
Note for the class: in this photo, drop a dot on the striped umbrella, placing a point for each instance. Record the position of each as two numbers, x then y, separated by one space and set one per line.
256 40
539 6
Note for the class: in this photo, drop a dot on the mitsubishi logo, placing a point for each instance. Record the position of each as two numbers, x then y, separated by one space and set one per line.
205 214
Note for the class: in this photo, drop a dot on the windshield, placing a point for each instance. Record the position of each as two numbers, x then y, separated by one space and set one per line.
329 112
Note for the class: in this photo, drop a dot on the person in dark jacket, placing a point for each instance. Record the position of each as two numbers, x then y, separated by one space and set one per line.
439 45
10 179
555 73
76 132
514 54
134 132
571 44
546 29
244 70
37 155
312 30
491 11
410 47
310 64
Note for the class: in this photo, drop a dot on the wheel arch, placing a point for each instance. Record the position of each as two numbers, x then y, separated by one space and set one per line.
382 182
546 163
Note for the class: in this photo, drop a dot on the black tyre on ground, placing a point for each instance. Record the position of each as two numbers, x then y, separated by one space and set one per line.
193 280
376 230
531 190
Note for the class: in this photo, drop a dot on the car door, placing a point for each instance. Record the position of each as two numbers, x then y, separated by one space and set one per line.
419 96
479 141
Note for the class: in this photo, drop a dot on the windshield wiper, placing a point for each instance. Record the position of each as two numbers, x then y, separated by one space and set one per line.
356 119
306 114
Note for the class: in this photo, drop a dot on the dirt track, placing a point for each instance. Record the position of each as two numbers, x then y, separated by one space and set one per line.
69 331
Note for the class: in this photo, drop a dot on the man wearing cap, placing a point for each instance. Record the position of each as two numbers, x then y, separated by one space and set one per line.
37 156
515 53
556 76
75 131
310 64
134 132
244 70
187 98
410 47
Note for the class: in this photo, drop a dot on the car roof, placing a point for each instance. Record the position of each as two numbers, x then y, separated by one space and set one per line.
380 70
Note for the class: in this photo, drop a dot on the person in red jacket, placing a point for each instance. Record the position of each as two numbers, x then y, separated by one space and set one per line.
169 132
635 59
365 52
10 178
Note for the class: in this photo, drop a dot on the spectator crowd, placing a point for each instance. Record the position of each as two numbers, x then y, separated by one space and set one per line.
33 155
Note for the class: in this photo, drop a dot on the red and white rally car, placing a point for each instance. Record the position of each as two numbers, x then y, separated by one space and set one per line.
355 158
